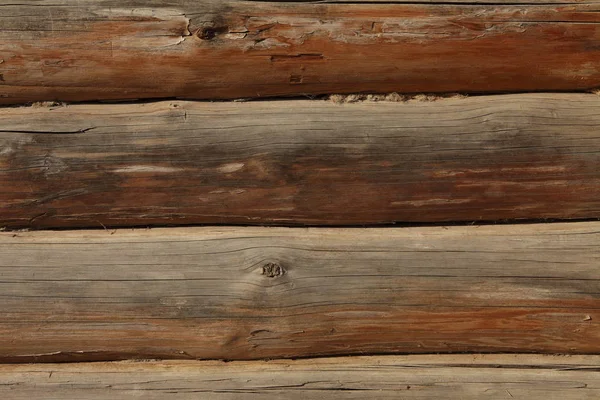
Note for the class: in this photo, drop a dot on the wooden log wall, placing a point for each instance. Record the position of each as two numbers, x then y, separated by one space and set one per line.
438 115
252 293
485 158
454 377
223 49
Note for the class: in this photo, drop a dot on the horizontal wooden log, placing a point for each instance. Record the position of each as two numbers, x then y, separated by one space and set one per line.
452 377
209 49
251 293
301 162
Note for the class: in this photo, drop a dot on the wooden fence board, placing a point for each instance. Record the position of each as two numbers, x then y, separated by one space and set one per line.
250 293
301 162
208 49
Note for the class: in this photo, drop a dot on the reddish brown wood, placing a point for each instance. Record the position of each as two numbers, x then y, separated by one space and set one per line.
105 49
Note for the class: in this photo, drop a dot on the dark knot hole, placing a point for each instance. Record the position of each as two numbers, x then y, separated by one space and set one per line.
272 270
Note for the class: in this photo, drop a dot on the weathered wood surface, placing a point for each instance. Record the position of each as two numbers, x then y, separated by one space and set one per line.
204 49
250 293
452 377
301 162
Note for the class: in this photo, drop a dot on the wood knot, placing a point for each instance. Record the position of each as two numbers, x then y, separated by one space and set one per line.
272 270
210 32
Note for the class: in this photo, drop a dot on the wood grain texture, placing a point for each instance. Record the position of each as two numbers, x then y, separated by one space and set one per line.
251 293
205 49
452 377
301 162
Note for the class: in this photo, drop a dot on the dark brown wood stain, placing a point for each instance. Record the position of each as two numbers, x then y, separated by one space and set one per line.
301 162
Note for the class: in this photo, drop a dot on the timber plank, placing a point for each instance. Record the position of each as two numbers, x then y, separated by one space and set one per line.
207 49
301 162
453 377
251 293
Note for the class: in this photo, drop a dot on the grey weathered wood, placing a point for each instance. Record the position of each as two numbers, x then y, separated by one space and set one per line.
452 377
134 49
301 162
248 293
